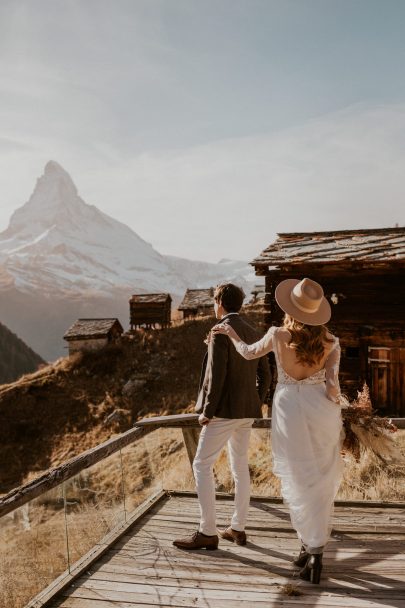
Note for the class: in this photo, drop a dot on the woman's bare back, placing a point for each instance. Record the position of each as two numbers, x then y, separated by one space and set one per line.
288 358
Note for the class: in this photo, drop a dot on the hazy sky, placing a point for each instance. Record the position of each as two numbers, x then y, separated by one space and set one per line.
209 125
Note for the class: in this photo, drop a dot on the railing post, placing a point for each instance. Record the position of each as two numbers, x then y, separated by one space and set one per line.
191 437
66 524
123 486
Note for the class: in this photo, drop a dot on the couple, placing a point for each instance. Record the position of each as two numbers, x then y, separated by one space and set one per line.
306 417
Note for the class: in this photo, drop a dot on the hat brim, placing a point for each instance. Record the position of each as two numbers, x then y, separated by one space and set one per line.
283 299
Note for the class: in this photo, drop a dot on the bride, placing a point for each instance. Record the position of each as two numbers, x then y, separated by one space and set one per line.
306 416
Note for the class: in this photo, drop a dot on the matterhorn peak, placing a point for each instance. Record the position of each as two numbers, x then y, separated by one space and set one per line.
58 180
53 201
52 168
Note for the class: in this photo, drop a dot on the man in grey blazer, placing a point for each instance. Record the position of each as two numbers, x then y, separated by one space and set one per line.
232 390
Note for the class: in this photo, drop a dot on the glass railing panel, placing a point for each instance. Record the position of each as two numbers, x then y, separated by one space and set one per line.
142 470
263 481
33 550
176 468
95 504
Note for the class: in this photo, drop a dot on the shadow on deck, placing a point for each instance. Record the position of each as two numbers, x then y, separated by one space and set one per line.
364 565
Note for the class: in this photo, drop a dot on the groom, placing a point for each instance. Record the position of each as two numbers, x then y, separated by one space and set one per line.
231 393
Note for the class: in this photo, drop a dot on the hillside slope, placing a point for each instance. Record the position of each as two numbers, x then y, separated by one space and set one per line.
16 358
78 402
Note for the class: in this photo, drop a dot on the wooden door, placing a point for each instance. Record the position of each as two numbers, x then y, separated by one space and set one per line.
386 379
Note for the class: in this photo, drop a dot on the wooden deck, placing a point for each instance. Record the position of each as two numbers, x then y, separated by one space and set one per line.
364 565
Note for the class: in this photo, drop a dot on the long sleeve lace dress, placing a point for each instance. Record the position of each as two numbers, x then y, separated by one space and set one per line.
306 436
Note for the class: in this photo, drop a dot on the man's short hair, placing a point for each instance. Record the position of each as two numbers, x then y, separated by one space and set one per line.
230 296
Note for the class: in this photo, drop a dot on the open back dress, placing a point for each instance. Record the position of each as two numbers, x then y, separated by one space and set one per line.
306 435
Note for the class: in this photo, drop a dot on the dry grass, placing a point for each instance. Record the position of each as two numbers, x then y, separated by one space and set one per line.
369 479
76 396
290 590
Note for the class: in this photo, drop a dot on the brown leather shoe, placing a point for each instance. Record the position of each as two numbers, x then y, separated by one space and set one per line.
233 535
197 541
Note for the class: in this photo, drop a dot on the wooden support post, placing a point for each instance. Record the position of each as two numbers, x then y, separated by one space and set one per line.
191 437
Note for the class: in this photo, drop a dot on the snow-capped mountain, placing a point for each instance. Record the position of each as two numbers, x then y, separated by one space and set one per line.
56 243
61 259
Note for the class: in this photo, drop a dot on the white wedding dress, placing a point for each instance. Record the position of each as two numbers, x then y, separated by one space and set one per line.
306 436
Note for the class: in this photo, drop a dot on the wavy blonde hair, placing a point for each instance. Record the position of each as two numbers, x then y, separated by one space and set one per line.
308 341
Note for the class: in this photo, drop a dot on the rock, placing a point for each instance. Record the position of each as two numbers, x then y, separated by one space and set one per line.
132 386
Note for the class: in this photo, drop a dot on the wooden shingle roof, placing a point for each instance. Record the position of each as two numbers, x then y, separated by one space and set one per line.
195 298
146 298
342 246
91 328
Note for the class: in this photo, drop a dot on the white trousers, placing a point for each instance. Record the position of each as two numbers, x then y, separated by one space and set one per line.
213 437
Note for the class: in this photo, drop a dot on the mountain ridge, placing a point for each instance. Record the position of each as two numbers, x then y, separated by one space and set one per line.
61 258
16 357
57 242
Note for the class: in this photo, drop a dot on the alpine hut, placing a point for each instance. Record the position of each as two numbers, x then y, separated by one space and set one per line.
363 276
92 334
258 293
150 309
197 302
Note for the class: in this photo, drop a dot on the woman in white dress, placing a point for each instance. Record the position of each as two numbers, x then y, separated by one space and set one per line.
306 416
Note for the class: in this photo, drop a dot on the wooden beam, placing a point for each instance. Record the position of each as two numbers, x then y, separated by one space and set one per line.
276 499
191 437
191 421
174 421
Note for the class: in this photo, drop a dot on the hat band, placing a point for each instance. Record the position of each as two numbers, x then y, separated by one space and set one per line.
300 307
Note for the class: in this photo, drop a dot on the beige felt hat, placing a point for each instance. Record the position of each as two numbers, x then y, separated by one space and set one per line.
304 301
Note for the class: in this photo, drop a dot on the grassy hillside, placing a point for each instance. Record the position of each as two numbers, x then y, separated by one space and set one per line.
78 402
16 358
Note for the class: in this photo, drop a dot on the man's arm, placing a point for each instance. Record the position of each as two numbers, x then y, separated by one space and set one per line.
263 376
216 371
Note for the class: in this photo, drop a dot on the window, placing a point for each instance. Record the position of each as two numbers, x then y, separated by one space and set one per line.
352 352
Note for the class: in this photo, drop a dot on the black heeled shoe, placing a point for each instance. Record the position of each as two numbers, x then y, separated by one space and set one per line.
312 569
302 558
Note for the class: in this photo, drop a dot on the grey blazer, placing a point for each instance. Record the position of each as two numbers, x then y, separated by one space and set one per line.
231 386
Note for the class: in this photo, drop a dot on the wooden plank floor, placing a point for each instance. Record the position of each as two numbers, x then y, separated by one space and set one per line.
364 565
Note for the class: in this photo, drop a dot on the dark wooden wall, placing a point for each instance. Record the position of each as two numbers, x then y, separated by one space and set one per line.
370 312
200 311
150 314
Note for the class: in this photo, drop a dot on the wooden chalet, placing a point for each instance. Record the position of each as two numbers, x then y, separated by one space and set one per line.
197 302
258 294
363 276
92 334
150 309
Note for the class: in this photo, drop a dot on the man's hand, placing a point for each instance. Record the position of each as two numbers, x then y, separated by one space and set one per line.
203 420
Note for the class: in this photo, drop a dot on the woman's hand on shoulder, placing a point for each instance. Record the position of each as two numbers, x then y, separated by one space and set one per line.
226 329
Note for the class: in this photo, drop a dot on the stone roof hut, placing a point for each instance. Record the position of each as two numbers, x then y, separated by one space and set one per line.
150 309
363 276
197 302
258 293
92 334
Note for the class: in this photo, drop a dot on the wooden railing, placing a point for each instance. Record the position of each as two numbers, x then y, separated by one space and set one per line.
54 477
